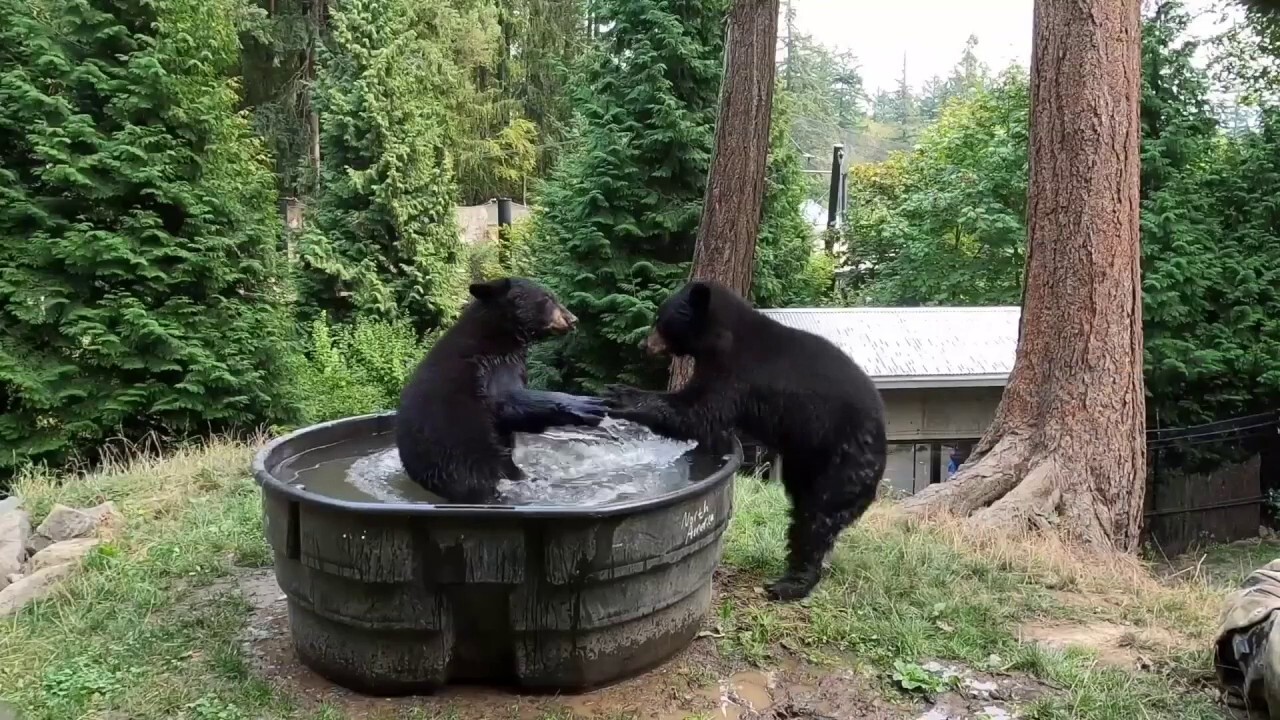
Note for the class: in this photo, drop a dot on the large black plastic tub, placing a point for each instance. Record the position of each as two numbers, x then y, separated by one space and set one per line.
403 598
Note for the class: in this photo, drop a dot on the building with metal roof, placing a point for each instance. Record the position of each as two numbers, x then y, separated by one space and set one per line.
940 370
918 347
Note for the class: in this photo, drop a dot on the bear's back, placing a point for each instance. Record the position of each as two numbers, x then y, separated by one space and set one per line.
445 431
802 388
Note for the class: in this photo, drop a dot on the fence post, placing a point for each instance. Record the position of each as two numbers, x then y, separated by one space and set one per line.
504 233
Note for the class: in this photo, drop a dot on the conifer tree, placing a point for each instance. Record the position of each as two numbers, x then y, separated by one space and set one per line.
140 283
1210 256
622 209
383 242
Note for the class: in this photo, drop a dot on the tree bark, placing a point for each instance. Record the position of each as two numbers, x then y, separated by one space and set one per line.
318 19
726 246
1066 449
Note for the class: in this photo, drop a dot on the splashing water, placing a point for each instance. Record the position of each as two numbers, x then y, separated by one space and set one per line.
377 474
616 461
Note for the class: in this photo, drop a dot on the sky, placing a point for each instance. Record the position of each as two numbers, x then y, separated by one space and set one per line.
932 33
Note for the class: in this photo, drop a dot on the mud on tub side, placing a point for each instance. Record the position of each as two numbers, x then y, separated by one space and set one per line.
404 598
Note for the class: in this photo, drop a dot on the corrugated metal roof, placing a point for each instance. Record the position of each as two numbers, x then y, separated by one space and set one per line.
921 346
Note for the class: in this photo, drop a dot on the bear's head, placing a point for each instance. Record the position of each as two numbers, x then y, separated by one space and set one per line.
526 308
693 322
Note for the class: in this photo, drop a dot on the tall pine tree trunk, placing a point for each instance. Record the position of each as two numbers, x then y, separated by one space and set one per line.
1066 449
317 18
726 247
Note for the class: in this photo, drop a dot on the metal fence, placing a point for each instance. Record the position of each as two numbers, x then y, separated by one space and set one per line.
1206 483
1212 482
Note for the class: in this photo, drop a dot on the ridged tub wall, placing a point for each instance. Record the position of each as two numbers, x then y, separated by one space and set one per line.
391 602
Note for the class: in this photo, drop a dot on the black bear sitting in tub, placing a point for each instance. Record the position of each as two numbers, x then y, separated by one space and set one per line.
794 392
468 396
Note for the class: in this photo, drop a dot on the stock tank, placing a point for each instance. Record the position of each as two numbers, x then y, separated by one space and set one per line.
402 597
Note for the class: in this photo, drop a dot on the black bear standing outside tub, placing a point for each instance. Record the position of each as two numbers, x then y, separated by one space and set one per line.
461 407
793 391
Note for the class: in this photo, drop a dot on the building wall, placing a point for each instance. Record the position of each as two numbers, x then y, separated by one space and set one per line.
940 413
925 422
928 421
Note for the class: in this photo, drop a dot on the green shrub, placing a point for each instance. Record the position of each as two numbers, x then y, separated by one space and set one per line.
518 253
141 286
355 369
484 261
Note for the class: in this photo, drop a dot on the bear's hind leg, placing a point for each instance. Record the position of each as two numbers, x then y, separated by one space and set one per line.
820 512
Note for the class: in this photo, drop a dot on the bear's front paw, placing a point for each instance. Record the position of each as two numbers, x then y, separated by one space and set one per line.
622 397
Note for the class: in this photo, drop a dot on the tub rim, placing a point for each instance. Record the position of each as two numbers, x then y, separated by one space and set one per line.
267 481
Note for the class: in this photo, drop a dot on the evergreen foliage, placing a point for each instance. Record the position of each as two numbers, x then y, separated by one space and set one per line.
278 39
494 147
1211 244
384 242
140 285
547 38
622 209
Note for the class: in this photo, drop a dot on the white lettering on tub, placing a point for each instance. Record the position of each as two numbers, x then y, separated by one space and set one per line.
697 522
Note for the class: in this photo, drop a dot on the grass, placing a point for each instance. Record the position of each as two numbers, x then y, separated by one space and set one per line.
138 634
1226 565
899 590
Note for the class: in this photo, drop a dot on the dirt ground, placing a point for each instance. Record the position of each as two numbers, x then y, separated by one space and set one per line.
1116 645
699 683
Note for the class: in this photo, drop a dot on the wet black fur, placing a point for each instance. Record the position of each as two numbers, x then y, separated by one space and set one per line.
794 392
460 408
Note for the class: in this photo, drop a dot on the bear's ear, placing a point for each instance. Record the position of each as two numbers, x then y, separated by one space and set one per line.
491 290
699 296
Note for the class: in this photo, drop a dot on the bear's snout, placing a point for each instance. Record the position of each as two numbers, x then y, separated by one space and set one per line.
562 320
655 345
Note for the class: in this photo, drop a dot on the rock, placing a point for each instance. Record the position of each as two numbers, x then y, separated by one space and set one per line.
65 523
13 578
37 543
981 690
36 586
67 551
105 515
15 530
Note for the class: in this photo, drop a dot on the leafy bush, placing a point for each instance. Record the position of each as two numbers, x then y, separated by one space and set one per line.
355 369
518 252
141 287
